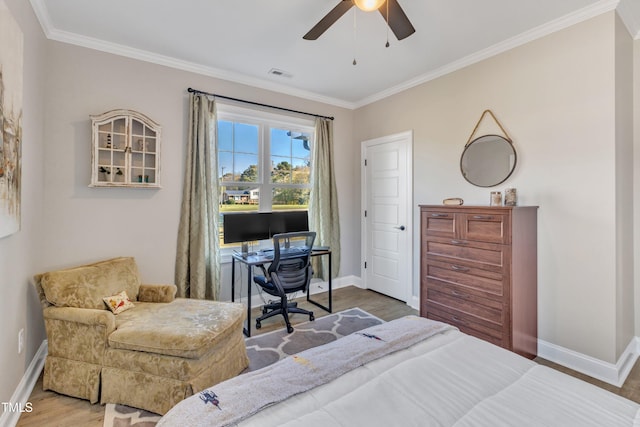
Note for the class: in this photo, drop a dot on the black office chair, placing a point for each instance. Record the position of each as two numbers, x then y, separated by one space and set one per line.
290 271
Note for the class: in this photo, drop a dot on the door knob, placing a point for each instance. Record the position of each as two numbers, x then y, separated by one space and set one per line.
401 228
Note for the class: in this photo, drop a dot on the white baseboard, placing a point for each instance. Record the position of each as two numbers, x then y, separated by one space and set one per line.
614 374
25 387
414 302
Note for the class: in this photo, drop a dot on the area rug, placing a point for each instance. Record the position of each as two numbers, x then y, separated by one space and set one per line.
264 350
126 416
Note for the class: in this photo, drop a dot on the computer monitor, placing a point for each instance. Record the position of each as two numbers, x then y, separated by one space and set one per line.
288 222
251 226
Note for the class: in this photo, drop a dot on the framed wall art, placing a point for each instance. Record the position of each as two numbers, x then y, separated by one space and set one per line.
11 54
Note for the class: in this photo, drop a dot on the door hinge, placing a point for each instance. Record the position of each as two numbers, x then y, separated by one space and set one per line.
365 213
365 162
365 264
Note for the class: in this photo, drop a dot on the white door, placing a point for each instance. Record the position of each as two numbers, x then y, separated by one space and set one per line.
387 209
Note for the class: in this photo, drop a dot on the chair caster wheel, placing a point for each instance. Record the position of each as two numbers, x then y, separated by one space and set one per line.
289 329
311 318
258 325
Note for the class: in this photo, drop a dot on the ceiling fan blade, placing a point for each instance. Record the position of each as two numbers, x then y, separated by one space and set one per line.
398 21
328 20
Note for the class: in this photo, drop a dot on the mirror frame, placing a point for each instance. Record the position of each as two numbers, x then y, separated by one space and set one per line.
500 181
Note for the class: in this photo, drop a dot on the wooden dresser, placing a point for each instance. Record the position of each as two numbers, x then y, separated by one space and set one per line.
478 272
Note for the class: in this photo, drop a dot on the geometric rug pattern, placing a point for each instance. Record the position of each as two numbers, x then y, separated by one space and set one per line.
263 350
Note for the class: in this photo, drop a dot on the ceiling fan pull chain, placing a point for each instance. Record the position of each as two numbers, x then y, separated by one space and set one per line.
355 39
387 3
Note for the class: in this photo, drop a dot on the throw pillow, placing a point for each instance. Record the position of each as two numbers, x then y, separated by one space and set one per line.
118 303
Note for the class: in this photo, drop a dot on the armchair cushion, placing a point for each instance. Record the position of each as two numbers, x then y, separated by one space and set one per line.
157 293
87 285
186 328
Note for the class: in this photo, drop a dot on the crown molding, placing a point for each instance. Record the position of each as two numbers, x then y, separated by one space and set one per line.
53 33
624 10
523 38
630 17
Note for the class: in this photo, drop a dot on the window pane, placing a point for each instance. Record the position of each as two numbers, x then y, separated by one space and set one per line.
290 156
301 148
246 167
280 170
301 172
246 138
280 142
236 199
225 163
225 136
290 198
237 151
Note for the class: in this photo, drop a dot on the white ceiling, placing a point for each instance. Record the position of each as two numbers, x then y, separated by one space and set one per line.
241 40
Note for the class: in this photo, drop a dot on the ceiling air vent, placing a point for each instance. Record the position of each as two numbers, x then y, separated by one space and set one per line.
280 73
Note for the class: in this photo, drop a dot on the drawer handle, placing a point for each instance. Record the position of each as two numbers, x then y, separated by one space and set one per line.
438 215
456 319
458 242
459 268
482 217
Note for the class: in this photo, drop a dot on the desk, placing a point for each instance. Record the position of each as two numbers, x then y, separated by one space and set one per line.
257 259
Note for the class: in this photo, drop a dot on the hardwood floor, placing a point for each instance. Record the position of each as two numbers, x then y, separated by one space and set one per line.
52 409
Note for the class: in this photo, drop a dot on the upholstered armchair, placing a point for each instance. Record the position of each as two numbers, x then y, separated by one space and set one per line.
156 351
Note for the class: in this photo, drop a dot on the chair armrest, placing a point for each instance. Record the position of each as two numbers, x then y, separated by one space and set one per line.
157 293
85 316
78 333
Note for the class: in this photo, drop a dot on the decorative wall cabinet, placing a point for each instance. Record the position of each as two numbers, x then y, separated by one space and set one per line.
126 150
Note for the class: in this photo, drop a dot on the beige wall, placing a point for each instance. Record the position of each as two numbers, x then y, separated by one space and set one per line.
624 188
636 180
20 252
92 223
555 97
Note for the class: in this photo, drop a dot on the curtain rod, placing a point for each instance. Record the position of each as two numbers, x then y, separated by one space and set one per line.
257 103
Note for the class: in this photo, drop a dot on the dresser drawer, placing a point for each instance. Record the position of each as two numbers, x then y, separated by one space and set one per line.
481 225
439 223
490 256
457 298
492 283
468 325
485 227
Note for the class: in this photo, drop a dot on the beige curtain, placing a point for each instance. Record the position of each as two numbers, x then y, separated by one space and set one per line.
323 201
197 259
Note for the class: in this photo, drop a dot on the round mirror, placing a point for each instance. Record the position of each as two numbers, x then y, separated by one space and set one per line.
488 160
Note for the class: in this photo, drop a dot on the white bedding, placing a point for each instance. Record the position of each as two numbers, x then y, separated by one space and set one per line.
450 379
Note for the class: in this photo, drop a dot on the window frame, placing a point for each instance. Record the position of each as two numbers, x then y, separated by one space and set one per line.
265 122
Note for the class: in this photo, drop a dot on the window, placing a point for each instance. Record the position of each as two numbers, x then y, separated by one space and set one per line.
264 161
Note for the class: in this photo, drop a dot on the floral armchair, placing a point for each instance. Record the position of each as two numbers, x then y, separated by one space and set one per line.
152 354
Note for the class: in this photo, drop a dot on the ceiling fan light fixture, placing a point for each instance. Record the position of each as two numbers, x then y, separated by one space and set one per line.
368 5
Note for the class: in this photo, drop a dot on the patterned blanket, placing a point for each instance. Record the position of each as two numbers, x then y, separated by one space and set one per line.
232 401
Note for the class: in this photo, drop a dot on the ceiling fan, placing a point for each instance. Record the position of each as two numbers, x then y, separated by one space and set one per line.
391 12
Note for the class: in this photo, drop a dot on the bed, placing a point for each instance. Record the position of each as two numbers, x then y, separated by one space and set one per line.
408 372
